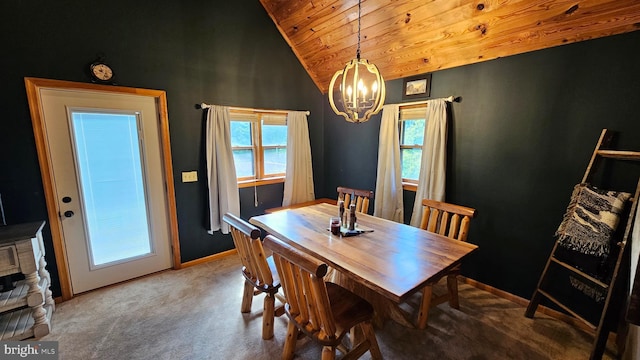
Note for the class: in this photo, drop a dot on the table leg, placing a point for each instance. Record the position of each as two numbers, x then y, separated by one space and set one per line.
35 301
44 273
383 307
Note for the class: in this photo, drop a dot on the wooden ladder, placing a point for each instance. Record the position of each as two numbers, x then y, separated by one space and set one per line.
603 327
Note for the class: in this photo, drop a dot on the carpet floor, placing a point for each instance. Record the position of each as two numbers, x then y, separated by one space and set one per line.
194 313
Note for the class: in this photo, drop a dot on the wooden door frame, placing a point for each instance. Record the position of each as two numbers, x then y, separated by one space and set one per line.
33 87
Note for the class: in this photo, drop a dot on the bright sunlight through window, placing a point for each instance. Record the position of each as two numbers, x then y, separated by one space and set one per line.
259 144
110 165
412 123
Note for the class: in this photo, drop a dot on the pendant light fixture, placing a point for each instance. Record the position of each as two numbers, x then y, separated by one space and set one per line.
361 90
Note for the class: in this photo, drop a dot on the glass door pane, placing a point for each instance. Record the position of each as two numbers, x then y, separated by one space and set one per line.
108 157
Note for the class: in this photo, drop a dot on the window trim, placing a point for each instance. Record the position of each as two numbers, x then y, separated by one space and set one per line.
409 186
255 118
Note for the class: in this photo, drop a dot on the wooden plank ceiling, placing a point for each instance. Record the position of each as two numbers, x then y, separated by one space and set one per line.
409 37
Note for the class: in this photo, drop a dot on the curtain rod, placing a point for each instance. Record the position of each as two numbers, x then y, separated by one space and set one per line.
449 99
203 105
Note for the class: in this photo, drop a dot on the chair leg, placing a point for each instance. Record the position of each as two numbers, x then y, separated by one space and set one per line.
356 336
290 341
452 285
425 305
328 353
279 310
247 297
267 317
370 335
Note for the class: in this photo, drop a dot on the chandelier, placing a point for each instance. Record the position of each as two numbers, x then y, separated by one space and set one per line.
361 88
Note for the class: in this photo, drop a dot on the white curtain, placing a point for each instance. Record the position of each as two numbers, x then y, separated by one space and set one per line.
388 199
431 181
221 170
298 182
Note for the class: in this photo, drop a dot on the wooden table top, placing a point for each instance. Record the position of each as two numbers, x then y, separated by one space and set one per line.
394 260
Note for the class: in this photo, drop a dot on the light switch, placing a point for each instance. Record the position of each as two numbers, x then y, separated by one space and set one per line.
189 176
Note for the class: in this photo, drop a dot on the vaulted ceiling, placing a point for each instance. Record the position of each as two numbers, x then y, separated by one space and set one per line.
408 37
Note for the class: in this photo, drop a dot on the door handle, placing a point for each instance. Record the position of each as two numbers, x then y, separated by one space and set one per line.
68 213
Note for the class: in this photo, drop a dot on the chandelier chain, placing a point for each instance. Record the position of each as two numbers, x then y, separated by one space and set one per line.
358 50
361 90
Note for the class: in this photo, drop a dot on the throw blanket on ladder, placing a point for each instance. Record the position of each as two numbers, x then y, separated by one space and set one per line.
591 219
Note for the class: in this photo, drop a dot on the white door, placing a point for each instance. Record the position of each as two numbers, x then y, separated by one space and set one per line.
108 178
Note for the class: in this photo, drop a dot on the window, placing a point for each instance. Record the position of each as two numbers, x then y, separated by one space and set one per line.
412 123
259 144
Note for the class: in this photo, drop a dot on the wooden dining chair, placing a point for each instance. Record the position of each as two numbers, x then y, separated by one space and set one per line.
321 310
360 197
452 221
258 271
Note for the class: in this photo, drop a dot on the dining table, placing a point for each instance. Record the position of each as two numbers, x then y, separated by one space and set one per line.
386 262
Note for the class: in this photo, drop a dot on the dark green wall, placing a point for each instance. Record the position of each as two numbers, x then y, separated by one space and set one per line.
519 140
219 52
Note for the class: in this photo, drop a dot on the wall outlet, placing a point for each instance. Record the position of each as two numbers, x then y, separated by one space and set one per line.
189 176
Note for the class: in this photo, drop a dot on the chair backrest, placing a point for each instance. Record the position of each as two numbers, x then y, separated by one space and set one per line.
302 279
446 219
359 197
246 237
